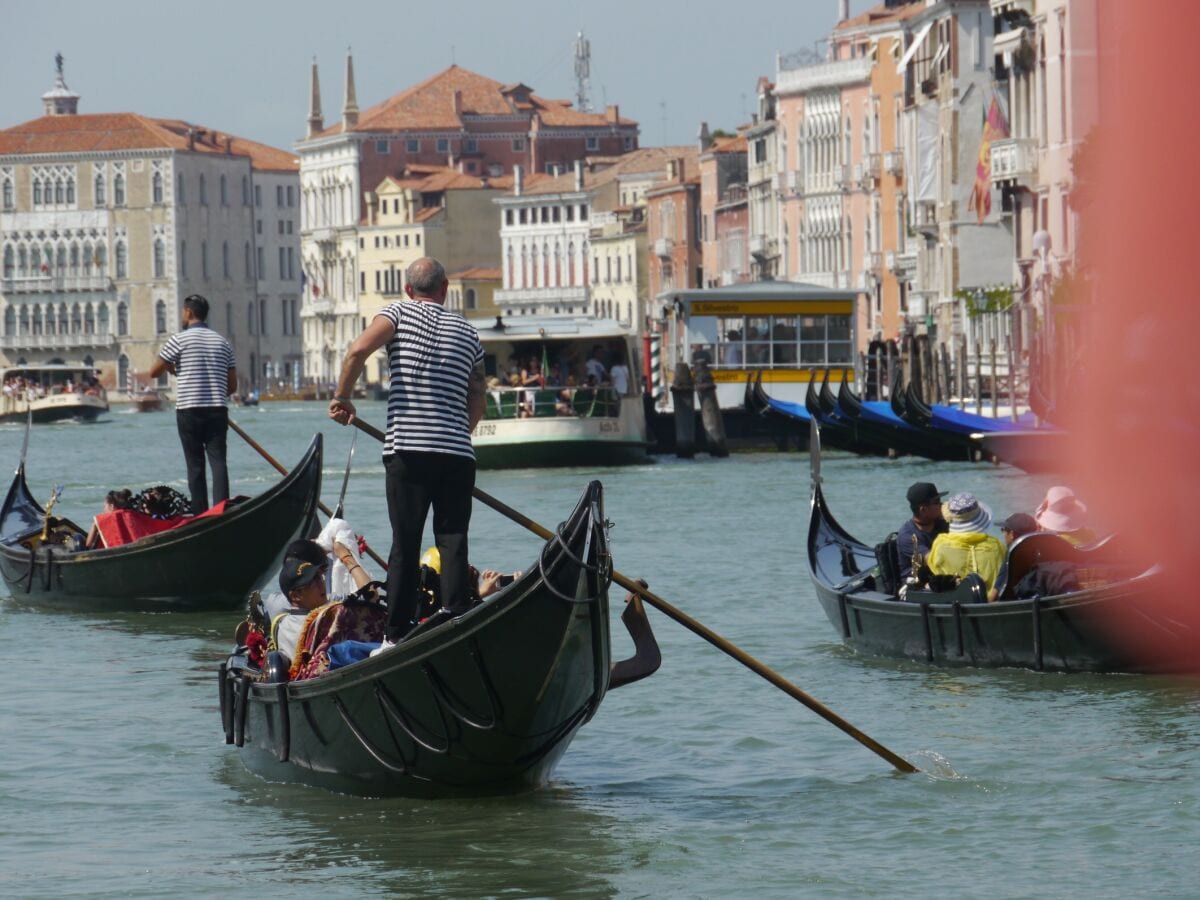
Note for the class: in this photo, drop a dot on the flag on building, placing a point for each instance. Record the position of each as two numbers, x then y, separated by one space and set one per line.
994 129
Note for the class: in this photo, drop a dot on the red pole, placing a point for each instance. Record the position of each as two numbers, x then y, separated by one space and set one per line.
647 383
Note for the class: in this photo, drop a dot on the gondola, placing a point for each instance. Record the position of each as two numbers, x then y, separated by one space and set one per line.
787 421
210 563
1066 633
1041 450
838 432
483 703
877 419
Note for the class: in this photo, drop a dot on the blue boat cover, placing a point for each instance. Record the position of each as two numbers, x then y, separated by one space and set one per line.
950 418
795 410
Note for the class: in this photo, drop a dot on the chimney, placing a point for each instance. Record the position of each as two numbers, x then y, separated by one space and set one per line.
350 103
316 121
229 145
578 175
458 103
843 10
191 136
518 181
705 137
612 114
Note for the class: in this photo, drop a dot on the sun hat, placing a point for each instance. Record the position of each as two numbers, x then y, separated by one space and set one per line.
298 572
965 513
433 559
1060 510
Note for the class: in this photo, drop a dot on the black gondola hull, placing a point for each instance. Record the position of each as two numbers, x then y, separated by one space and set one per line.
485 703
212 563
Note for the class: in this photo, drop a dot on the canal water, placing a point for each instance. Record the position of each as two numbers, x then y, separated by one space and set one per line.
701 781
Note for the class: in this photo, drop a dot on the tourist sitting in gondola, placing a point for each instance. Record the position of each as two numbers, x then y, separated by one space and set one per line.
967 547
120 499
1062 513
916 535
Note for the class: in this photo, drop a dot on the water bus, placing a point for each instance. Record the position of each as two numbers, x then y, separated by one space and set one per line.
52 392
556 418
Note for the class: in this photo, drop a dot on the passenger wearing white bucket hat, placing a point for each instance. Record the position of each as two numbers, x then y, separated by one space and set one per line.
1064 514
967 547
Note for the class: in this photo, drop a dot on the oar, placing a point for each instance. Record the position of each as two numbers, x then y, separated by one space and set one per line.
695 627
283 471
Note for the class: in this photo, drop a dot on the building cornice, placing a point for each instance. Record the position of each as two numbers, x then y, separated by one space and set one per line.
834 74
84 156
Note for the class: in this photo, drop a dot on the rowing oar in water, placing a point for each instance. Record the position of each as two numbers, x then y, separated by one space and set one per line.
283 471
899 762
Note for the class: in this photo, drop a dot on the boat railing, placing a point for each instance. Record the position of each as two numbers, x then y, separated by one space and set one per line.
535 403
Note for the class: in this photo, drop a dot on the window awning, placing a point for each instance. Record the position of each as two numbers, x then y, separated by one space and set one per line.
1008 41
912 48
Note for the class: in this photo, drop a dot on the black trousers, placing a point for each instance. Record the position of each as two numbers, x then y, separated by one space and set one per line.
414 482
202 431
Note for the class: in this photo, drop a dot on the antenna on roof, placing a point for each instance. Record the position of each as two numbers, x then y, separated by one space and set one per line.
583 73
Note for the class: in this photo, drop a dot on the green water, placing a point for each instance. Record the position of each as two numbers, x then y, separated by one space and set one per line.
701 781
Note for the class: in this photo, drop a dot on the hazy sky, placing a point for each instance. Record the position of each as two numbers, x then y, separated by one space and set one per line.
243 66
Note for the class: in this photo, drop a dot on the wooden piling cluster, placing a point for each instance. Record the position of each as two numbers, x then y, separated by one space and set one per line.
951 376
684 391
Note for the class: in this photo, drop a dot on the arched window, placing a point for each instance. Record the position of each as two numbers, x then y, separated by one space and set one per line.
10 321
89 320
122 319
160 316
37 192
156 187
60 259
74 259
99 189
22 262
123 373
70 189
470 298
203 190
64 322
122 261
23 320
101 258
59 193
35 261
37 319
9 261
160 258
224 192
119 190
8 195
102 319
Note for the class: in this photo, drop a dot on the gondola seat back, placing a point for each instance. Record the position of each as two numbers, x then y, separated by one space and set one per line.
972 589
887 554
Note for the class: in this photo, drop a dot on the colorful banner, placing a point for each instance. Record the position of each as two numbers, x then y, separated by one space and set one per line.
994 129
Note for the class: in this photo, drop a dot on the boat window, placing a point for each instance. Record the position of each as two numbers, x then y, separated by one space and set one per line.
758 346
702 336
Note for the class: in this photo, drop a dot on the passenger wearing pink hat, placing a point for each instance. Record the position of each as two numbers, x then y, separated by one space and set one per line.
1062 513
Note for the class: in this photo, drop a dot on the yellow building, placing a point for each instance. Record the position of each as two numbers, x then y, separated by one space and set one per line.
473 293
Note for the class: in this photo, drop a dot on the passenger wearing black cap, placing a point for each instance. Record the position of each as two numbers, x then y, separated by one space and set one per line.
916 535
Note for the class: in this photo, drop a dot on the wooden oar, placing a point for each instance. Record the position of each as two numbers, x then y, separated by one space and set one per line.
695 627
283 471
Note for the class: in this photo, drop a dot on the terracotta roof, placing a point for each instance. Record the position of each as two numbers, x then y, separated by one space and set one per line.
434 179
642 160
104 132
877 15
476 273
430 105
735 144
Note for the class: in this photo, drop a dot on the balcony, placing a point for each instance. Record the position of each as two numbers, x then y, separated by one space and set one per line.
844 176
567 295
56 341
925 215
872 261
793 181
893 163
663 247
318 307
53 284
1014 160
762 247
872 165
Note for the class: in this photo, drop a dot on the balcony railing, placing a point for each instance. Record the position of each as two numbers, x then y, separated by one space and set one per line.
761 246
893 162
543 295
49 284
663 246
872 260
925 215
1014 159
56 341
844 176
872 165
828 74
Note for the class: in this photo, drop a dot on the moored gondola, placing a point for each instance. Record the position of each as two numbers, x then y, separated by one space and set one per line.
209 563
1070 632
483 703
876 419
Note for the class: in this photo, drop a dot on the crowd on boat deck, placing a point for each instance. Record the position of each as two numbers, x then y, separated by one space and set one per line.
946 540
19 386
570 380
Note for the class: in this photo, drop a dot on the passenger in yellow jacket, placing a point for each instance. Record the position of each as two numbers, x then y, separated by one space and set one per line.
967 547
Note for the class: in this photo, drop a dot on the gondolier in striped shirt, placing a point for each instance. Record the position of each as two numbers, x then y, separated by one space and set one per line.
202 362
435 399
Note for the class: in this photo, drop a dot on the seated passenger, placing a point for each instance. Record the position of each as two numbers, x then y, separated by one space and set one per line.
481 584
115 500
1012 529
303 589
967 547
162 502
1062 513
916 535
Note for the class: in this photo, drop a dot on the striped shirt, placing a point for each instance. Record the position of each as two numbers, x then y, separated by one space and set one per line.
430 357
202 360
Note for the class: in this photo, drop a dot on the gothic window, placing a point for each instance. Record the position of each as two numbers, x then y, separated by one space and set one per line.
119 190
70 190
37 319
23 320
37 192
59 194
63 319
224 192
74 259
8 194
102 319
160 258
470 298
10 321
35 262
22 262
122 261
9 256
156 187
160 316
123 319
76 319
60 259
203 190
89 320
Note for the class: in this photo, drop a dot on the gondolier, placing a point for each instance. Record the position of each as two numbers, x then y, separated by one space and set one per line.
435 399
202 362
